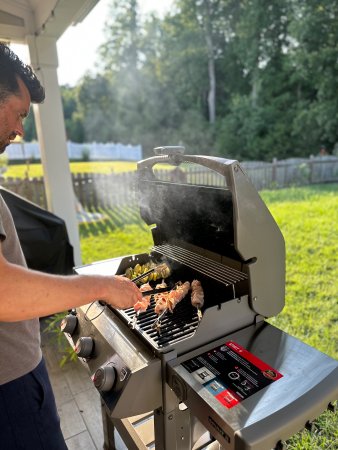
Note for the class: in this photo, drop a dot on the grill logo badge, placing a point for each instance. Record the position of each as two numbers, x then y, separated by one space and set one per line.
219 430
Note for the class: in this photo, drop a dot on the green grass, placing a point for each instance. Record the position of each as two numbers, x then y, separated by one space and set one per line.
36 170
308 219
120 232
309 223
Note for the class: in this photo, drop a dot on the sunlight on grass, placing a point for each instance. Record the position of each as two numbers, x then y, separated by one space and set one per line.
36 170
310 229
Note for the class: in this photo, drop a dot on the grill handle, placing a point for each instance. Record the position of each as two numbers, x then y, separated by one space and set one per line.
175 156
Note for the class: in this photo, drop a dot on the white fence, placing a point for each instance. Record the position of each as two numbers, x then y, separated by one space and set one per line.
102 191
93 151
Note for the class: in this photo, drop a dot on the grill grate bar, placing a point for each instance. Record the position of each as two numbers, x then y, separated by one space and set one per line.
180 324
224 274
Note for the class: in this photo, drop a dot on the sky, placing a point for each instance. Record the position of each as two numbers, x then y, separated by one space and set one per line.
73 64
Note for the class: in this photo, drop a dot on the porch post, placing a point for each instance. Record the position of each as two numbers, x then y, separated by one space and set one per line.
51 133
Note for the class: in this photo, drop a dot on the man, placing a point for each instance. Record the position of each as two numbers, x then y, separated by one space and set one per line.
28 416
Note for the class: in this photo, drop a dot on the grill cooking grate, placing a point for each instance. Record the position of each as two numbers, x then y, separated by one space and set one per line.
180 324
223 274
183 322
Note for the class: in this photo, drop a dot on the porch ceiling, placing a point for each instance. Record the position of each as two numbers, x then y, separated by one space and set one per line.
21 18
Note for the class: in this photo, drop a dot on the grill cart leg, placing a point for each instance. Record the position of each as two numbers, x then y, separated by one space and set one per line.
108 429
137 433
175 427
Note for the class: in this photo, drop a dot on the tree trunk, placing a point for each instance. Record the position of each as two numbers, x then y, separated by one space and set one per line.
211 63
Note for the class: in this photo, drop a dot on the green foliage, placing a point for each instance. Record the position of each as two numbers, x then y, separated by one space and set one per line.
3 162
85 154
271 67
72 115
29 127
56 336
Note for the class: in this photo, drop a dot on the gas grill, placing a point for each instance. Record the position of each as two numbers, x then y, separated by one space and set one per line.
229 375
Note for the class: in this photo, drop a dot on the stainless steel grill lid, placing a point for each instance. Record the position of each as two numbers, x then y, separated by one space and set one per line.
231 222
197 215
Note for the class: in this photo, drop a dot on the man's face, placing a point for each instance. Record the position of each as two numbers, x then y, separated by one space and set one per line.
12 112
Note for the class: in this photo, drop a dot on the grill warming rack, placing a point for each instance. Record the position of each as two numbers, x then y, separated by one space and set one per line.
205 266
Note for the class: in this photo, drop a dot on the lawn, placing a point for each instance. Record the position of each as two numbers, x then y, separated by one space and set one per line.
36 170
308 219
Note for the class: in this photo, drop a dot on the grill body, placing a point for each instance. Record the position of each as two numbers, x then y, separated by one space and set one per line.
226 238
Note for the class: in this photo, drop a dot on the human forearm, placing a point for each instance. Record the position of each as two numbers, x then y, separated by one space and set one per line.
26 293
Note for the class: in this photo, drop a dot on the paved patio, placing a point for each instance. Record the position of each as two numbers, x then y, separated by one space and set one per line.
79 406
77 399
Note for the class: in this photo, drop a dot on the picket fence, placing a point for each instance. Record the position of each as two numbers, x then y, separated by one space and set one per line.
90 151
100 191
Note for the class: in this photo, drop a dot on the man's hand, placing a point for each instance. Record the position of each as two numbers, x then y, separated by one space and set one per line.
123 293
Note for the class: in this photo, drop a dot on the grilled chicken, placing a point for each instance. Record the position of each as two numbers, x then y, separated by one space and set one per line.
143 304
197 296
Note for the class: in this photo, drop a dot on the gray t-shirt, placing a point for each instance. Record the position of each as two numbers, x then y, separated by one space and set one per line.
20 350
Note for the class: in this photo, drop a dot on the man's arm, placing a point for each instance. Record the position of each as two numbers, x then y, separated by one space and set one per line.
25 293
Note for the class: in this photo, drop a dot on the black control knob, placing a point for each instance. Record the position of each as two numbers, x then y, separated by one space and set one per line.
104 378
84 347
68 324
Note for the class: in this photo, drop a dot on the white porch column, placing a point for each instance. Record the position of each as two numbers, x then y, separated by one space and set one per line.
51 133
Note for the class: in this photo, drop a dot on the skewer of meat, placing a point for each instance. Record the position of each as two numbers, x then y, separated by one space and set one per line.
197 297
178 294
167 301
160 299
143 304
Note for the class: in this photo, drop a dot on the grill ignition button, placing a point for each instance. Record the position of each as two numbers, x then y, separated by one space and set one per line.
104 378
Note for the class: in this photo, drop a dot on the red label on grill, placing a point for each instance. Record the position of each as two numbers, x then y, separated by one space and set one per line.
231 373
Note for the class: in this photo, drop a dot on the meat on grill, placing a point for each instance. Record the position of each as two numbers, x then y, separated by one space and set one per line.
168 300
143 304
197 297
197 294
178 294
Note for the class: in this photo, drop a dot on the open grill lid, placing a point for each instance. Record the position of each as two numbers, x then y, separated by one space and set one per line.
231 223
197 215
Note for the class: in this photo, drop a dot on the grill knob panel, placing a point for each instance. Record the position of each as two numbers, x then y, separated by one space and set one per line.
84 347
104 378
69 323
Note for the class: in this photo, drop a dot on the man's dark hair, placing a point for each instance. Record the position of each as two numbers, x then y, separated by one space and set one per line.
11 67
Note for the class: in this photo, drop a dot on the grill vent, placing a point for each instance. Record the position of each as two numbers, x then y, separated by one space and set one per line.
224 274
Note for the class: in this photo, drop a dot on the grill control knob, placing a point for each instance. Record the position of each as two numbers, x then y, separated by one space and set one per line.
104 378
84 347
68 324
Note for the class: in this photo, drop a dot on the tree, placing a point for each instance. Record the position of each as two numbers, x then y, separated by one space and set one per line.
73 119
315 30
97 99
241 78
29 128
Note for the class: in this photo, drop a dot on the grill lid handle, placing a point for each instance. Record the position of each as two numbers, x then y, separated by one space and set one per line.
169 150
